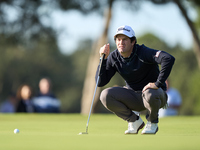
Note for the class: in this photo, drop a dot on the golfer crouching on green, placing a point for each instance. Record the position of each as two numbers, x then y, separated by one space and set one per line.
145 83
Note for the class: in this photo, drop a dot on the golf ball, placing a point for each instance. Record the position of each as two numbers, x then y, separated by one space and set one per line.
16 131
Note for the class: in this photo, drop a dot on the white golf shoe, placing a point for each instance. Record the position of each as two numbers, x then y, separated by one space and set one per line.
150 128
134 127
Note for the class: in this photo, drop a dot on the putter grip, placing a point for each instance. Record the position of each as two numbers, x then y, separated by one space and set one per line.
100 64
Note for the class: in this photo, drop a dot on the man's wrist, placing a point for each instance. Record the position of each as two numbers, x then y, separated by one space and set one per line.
158 84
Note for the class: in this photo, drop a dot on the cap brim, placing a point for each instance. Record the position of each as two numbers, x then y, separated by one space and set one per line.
122 34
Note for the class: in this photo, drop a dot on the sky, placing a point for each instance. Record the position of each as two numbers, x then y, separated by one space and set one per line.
166 22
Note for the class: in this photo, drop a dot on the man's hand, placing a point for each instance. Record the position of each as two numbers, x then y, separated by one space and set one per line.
105 50
149 86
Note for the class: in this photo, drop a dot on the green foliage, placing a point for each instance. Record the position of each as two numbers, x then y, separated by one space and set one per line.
29 52
19 66
193 89
71 96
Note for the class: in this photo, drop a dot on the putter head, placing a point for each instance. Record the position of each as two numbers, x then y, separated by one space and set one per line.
82 133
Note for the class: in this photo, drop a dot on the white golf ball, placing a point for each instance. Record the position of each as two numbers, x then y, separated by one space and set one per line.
16 131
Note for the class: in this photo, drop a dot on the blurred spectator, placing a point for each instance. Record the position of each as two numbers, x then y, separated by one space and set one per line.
174 102
9 106
46 101
24 95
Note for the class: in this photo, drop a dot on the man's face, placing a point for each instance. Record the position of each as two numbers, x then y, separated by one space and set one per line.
44 86
124 45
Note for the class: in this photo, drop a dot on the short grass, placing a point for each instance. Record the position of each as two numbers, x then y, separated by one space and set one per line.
106 131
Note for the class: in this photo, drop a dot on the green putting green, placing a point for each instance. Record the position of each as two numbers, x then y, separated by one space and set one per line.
106 131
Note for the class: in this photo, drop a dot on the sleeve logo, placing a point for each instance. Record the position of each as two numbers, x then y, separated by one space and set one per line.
157 53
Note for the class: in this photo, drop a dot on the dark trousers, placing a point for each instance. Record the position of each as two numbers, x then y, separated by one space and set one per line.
123 101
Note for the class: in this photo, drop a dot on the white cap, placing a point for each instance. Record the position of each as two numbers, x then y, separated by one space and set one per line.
125 30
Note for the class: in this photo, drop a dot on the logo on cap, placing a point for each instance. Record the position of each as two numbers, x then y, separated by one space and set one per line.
122 28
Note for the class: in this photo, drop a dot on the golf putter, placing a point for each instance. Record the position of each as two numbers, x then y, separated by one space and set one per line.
100 64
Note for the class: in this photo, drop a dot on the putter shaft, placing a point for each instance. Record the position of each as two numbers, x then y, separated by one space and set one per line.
102 58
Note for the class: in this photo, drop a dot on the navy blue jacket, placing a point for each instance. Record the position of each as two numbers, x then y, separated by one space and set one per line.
139 69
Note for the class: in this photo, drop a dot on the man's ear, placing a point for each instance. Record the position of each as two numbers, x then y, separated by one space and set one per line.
133 42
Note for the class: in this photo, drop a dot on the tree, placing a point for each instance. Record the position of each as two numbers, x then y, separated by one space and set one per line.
192 27
181 6
89 83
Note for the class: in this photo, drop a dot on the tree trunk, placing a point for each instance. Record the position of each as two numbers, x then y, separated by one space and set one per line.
89 83
196 47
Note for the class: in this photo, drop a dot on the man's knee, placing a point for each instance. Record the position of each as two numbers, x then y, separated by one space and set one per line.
152 97
105 96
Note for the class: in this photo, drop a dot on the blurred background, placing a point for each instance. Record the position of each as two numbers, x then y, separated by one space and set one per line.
60 40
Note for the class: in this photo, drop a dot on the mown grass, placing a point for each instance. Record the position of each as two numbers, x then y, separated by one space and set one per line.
106 131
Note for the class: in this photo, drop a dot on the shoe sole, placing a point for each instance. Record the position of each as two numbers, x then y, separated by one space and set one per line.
151 133
141 126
